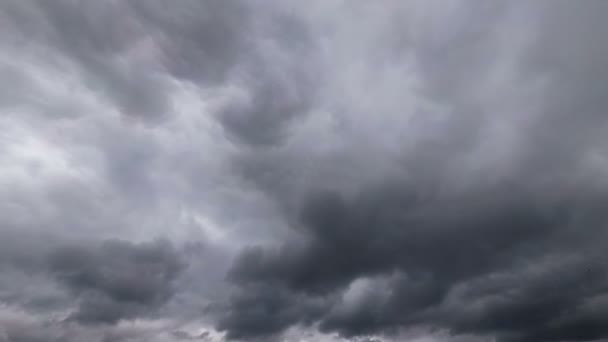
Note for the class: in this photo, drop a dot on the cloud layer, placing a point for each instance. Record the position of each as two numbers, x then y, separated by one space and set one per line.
320 171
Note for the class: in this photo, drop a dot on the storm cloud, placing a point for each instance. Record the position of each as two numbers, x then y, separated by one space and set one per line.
288 171
118 280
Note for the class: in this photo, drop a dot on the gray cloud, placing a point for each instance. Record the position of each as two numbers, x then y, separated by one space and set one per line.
118 280
129 52
327 170
443 221
262 115
23 327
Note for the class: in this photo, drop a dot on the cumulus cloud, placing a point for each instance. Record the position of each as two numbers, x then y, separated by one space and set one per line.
320 171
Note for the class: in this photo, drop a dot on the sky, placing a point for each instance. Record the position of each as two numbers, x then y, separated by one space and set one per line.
303 171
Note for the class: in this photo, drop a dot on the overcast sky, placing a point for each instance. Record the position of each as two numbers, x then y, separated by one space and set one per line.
303 171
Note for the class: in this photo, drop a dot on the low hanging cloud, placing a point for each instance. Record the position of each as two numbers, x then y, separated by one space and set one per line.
488 225
320 171
118 279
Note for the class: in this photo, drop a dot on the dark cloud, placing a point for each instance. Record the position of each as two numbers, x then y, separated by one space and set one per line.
123 51
21 327
129 52
263 115
112 291
279 81
199 41
439 228
431 245
94 37
328 170
118 280
265 311
184 336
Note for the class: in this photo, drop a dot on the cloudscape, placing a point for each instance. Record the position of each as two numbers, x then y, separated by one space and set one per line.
303 171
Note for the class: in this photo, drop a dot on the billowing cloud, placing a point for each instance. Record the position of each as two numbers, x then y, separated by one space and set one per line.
477 224
118 280
320 171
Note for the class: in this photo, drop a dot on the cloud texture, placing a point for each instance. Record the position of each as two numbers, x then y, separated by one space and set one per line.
303 171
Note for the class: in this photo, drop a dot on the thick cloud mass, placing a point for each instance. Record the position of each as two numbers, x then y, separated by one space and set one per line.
118 280
303 171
